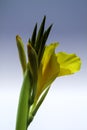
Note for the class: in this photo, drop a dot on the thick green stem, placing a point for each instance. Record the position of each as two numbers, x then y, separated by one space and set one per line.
23 107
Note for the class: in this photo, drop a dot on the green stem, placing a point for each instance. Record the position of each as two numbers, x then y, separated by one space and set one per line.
23 107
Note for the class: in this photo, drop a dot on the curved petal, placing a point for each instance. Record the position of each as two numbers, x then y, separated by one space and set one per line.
69 63
51 71
48 70
49 50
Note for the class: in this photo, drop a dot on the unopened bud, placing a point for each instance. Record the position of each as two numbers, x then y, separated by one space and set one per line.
33 62
33 67
21 51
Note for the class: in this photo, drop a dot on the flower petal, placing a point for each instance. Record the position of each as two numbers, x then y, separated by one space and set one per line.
49 50
48 70
51 71
69 63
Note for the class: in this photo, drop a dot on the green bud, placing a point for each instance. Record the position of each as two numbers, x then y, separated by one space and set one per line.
33 62
33 67
40 34
21 51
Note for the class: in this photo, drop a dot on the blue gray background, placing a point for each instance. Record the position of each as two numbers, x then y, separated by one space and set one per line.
65 107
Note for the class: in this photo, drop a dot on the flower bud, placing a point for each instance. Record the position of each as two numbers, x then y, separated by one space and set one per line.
21 51
33 67
33 62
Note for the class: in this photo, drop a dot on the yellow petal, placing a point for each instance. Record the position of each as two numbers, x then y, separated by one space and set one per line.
51 71
49 50
69 63
48 70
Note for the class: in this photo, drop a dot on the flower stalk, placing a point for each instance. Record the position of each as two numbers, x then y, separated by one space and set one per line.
23 107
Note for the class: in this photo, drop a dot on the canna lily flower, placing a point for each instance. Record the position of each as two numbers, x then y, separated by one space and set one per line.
55 65
41 69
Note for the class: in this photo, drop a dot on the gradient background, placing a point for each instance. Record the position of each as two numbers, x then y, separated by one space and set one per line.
65 107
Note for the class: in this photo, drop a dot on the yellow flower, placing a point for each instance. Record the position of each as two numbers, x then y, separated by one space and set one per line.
41 69
54 65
